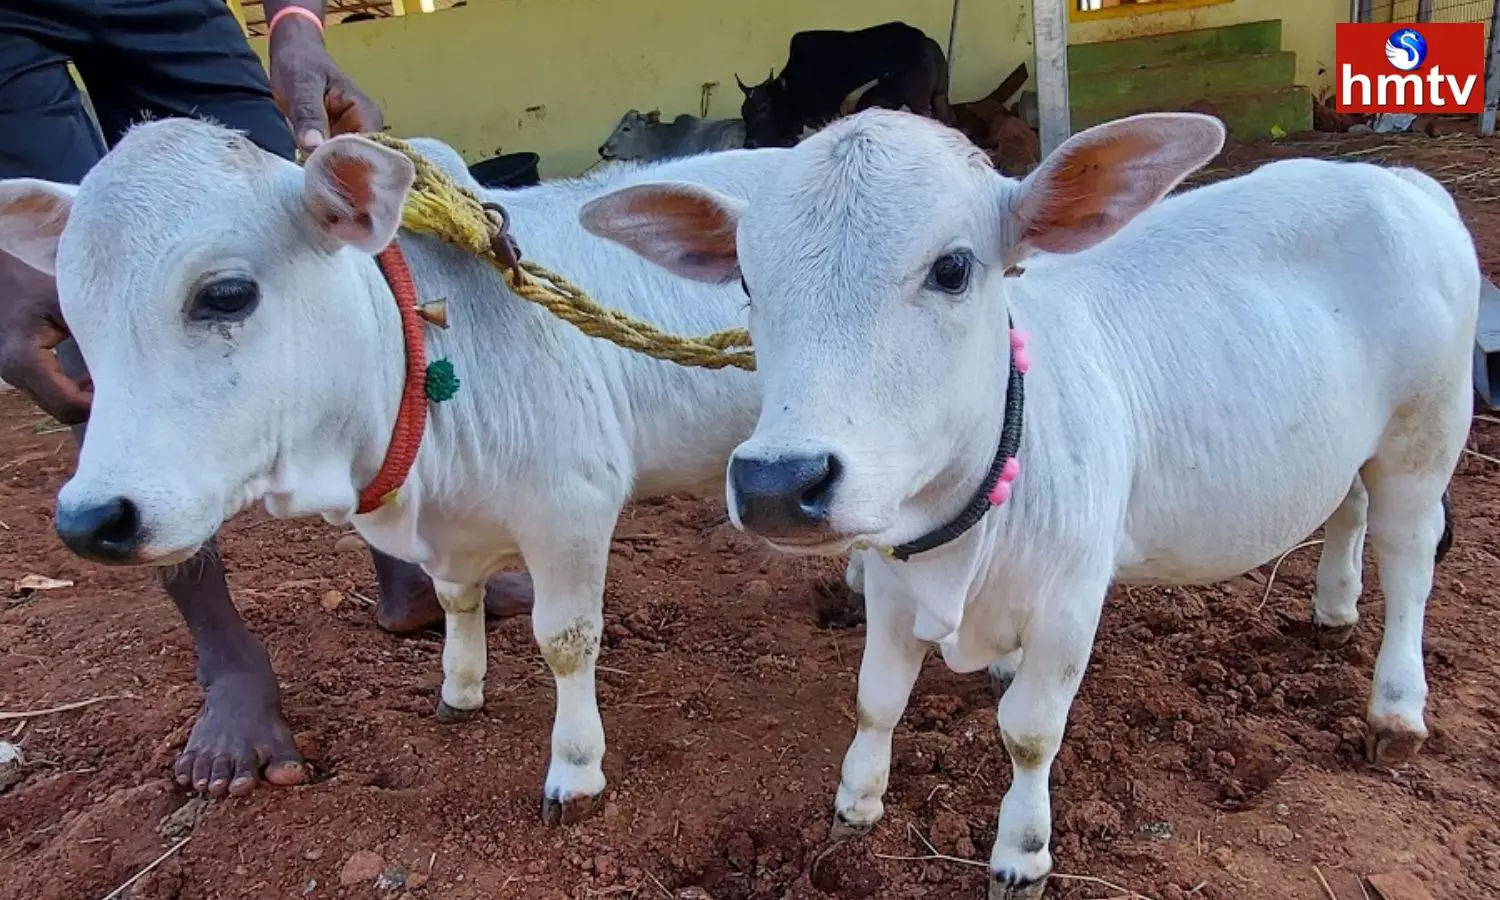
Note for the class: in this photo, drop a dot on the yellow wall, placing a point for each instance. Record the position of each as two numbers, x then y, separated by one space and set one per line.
553 76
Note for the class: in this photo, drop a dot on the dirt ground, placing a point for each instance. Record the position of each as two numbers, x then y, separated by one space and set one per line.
1214 752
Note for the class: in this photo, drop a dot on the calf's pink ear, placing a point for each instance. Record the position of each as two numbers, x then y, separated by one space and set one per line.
1102 177
354 191
685 229
33 214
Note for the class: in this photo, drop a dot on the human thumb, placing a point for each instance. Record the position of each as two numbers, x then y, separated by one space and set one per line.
309 119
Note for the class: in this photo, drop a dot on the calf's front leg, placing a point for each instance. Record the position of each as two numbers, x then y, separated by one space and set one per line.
1032 715
568 571
892 660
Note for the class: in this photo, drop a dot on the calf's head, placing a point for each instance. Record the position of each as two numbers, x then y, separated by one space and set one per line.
874 265
225 304
767 114
631 138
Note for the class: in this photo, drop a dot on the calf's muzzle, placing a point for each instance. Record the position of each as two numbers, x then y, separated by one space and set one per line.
784 496
108 532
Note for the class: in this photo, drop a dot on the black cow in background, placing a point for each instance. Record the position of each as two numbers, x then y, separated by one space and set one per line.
833 73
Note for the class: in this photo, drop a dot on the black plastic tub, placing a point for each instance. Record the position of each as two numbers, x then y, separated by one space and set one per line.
511 170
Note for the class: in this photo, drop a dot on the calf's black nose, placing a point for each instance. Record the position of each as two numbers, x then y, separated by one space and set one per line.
107 532
785 494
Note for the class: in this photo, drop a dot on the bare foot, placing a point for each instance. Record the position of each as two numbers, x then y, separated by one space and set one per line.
240 737
405 611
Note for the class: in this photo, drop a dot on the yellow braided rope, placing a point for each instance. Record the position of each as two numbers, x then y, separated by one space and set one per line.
440 206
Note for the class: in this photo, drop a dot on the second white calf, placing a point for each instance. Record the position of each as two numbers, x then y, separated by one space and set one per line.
1241 364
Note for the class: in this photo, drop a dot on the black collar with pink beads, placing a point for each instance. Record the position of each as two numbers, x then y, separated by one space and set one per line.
995 489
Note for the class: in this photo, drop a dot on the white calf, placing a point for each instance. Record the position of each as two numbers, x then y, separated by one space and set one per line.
447 159
245 346
1243 363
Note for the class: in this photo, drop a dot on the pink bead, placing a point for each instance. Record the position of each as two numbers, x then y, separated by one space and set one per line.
1018 339
999 493
1023 362
1010 470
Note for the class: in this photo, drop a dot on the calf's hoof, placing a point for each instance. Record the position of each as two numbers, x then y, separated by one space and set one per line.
452 715
1392 744
842 829
1332 637
568 810
1008 886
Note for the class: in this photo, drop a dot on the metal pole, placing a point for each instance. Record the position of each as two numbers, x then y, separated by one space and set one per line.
1049 22
952 37
1492 76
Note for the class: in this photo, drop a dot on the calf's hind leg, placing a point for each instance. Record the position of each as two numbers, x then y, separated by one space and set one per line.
464 654
408 602
1407 526
1336 602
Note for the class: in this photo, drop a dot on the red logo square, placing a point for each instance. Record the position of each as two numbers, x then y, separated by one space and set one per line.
1398 68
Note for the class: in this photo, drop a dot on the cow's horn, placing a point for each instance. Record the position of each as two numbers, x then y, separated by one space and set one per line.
851 101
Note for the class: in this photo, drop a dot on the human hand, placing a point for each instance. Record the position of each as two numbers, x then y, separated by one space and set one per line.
31 325
312 91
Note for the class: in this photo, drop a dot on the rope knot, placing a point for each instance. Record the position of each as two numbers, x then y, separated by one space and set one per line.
502 243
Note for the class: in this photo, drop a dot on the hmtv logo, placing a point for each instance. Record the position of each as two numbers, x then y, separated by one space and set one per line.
1395 68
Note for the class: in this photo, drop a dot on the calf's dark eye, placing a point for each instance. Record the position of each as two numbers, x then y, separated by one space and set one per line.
228 299
950 273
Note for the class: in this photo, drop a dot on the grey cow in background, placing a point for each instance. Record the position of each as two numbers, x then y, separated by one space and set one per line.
643 136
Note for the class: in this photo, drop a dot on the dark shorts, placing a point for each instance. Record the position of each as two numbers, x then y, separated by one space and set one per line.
139 59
